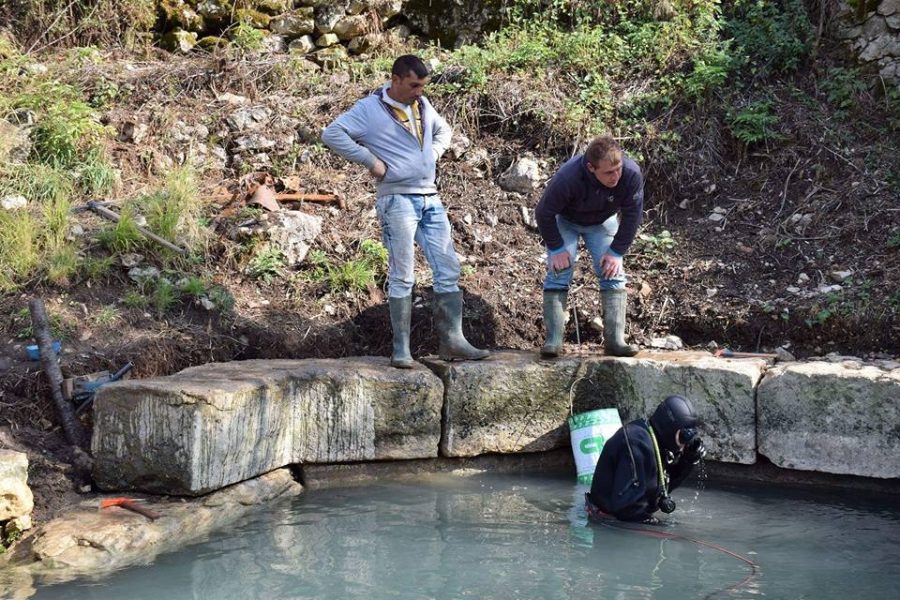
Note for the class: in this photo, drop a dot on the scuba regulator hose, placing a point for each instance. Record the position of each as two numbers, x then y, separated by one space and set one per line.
754 568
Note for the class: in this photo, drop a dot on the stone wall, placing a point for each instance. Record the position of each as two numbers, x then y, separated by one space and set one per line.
873 33
326 31
211 426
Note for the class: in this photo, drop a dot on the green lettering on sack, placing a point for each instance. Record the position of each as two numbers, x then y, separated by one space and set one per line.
591 445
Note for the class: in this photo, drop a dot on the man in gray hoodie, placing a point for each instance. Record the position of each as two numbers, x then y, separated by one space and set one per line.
398 136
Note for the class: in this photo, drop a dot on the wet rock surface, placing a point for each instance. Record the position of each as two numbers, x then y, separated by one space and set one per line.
91 542
834 417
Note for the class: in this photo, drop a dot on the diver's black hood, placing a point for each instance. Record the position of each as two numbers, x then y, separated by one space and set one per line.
672 414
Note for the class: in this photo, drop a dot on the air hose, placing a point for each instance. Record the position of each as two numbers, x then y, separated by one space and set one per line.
754 568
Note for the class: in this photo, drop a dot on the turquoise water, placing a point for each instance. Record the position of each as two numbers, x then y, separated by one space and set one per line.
501 536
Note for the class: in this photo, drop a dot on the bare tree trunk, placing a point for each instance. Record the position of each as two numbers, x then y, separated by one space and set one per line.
75 433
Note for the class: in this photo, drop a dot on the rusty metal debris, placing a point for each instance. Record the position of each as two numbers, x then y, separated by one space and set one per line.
260 189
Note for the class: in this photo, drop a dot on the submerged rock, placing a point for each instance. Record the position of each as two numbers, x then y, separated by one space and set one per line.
92 542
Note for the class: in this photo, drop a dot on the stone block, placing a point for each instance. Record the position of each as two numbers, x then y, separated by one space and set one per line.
516 402
831 417
722 390
363 409
510 402
15 495
221 423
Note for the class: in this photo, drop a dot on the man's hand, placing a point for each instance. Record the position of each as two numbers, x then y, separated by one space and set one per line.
610 265
378 169
560 262
694 451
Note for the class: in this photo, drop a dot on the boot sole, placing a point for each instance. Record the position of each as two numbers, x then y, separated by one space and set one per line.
448 358
620 353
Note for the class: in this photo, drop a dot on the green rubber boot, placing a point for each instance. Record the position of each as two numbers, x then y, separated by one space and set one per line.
401 314
614 302
452 345
554 322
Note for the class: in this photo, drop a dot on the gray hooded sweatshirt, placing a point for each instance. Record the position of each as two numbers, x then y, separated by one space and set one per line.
370 130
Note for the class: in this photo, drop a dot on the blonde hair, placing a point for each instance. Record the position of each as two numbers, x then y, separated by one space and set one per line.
603 147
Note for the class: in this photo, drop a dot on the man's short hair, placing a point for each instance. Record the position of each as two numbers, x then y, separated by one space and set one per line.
603 147
409 63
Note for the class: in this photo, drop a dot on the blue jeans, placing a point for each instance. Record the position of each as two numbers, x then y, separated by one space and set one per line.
408 218
597 238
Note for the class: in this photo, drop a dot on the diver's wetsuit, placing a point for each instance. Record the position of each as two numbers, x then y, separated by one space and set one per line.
629 488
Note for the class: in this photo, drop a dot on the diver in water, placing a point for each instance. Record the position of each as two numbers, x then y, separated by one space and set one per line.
644 461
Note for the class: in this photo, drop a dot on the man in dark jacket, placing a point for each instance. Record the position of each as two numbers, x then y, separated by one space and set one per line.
597 196
644 461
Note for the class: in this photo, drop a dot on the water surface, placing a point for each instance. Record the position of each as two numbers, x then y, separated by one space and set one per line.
502 536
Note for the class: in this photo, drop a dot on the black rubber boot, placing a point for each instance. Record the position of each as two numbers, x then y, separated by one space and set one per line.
452 345
554 322
614 302
401 314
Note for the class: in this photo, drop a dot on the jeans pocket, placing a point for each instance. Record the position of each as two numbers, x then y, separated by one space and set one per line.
383 207
611 225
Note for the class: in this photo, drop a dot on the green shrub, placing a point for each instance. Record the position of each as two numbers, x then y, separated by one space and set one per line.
754 123
221 298
96 177
62 264
123 236
587 67
19 247
97 269
770 36
368 268
37 182
173 209
164 296
246 37
843 88
56 223
267 263
65 133
192 286
655 246
106 316
136 299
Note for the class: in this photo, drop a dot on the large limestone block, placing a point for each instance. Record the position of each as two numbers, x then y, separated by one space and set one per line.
516 402
15 495
193 432
831 417
511 402
361 408
214 425
723 392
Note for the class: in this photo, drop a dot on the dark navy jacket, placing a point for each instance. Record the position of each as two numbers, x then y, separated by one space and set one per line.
629 490
575 193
